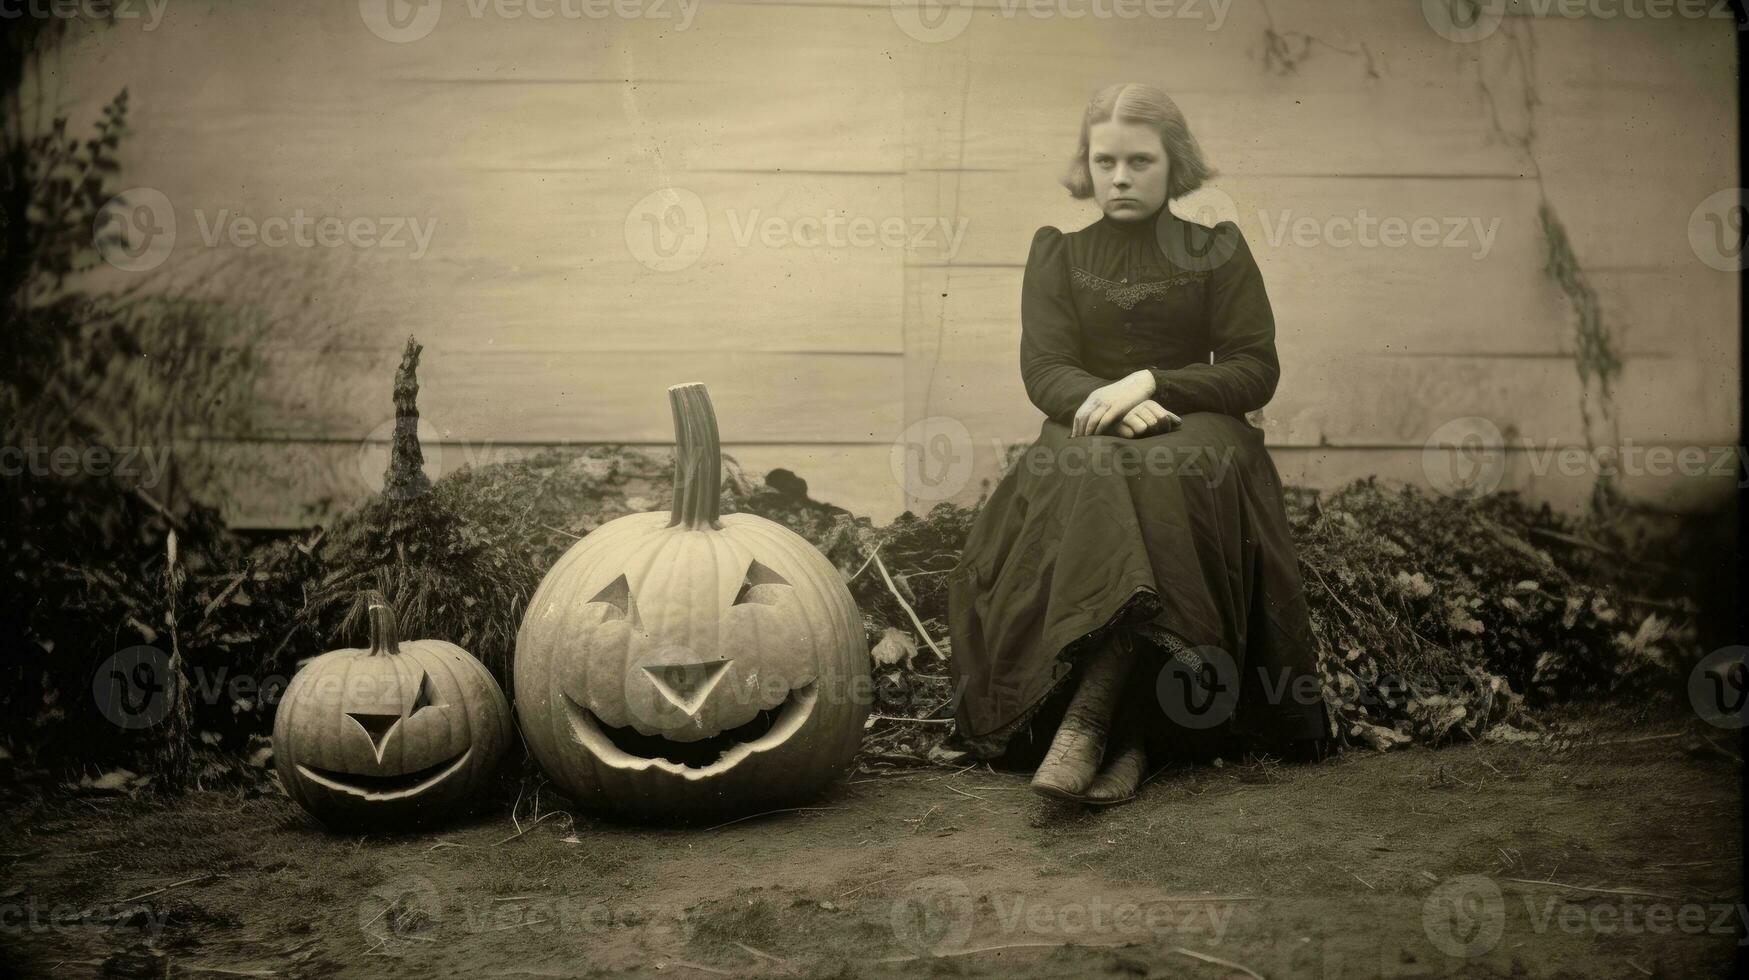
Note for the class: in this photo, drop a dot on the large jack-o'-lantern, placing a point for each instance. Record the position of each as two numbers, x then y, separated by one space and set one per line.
399 733
678 665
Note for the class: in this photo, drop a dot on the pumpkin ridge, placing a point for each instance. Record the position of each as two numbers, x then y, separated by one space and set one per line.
465 692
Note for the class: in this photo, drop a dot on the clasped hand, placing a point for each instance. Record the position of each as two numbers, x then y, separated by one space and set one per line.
1126 407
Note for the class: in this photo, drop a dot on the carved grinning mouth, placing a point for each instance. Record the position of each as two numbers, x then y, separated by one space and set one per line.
629 748
385 787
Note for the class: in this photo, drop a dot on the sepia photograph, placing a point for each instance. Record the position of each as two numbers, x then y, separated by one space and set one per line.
860 489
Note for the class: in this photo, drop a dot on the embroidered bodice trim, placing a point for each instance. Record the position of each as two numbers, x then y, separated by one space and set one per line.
1127 295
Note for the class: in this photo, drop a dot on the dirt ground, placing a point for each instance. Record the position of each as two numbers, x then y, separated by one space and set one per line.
1466 861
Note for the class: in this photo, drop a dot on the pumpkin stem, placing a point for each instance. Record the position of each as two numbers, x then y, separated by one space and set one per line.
385 636
698 458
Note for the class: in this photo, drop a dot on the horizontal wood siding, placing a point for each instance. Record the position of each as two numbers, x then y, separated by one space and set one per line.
529 149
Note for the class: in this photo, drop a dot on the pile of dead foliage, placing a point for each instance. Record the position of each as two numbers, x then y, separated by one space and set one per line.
1435 618
1438 618
135 636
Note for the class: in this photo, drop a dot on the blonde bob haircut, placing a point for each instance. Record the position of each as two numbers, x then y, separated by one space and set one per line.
1136 103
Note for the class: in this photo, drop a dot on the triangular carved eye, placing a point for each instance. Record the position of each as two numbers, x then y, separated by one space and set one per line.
761 584
426 696
617 594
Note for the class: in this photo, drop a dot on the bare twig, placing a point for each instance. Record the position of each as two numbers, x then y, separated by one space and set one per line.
768 813
175 884
163 512
1216 960
762 954
993 949
882 567
867 885
536 823
1600 891
517 925
701 968
865 563
1643 738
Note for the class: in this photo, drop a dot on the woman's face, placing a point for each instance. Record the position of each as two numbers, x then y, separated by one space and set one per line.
1129 167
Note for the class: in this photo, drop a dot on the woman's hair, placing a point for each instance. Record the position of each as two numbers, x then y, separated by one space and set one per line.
1132 102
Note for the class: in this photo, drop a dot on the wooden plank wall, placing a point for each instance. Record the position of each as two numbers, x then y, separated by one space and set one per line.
533 145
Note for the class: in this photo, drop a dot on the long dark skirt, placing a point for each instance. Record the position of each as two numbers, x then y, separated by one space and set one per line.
1179 539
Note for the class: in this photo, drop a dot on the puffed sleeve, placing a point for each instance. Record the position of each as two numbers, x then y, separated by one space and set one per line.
1242 336
1050 331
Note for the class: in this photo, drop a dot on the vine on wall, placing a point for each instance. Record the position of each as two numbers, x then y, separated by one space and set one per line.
1509 89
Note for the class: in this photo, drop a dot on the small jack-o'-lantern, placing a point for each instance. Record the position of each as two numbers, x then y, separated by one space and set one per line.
682 664
398 733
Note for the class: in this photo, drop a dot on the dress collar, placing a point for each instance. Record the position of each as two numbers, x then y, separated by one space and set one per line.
1138 226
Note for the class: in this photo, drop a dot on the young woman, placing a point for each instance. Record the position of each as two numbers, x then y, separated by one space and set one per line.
1133 572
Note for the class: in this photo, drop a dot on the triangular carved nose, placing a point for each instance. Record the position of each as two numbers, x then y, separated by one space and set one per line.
377 727
687 685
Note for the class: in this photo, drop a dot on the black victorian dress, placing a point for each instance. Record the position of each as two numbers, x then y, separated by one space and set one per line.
1178 540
